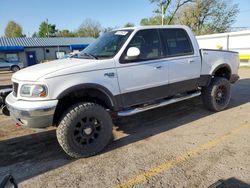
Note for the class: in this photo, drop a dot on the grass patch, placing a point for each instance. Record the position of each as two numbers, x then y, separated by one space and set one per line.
244 67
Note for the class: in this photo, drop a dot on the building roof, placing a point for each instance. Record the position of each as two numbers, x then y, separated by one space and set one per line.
44 42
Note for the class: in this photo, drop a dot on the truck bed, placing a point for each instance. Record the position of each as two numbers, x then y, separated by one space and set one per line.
215 58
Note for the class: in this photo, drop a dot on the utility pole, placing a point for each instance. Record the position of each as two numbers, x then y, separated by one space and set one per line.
162 15
162 11
47 27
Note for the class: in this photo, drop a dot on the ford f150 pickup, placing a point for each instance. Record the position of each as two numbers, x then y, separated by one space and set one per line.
124 72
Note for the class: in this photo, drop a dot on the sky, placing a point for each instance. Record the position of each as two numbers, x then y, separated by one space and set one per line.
69 14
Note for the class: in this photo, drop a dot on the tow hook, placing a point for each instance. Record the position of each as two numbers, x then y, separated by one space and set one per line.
18 125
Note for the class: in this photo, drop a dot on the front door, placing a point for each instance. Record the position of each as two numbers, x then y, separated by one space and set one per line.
142 80
31 58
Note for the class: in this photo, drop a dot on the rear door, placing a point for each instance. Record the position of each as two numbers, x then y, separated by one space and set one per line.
143 79
184 62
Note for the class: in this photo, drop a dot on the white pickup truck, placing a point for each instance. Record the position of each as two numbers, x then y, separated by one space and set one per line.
124 72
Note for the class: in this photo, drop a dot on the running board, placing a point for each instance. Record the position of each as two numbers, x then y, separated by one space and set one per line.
157 105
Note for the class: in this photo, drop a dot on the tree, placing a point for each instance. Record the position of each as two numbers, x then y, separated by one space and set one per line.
208 16
108 29
47 30
34 35
13 29
65 33
169 9
129 24
155 20
89 28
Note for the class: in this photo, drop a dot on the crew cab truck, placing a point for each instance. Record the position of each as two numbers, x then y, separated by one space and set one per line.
124 72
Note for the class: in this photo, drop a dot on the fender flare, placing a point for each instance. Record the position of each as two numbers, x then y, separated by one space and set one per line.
114 101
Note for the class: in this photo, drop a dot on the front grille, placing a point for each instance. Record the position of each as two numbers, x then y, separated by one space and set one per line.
15 89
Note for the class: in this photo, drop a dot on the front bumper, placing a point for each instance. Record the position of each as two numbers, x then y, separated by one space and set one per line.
32 114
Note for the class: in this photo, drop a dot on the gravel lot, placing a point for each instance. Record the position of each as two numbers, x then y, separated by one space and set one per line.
181 145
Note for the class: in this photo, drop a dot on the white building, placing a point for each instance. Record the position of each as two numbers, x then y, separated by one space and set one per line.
235 41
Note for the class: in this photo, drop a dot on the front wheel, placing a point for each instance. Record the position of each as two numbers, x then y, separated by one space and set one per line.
217 95
85 130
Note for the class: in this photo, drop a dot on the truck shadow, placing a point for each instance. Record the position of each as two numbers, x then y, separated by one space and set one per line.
5 86
231 182
31 155
149 123
27 156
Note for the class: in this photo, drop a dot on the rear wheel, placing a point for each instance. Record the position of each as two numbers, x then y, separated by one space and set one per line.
15 68
217 95
85 130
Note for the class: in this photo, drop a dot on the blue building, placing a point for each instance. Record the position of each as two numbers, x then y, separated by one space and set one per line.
31 51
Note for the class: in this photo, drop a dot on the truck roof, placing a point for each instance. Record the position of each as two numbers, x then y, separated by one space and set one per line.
154 27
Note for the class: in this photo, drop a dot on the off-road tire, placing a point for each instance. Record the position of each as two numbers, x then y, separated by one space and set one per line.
217 95
78 144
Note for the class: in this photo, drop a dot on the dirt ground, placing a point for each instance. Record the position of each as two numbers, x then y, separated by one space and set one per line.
181 145
5 77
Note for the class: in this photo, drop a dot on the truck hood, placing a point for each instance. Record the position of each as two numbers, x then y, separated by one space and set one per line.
33 73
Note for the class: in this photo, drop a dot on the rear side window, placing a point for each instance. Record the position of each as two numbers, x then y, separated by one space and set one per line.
148 42
177 42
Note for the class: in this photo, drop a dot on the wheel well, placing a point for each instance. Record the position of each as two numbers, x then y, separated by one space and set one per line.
82 95
14 66
224 72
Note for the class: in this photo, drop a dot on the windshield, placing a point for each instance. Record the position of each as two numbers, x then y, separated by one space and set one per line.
107 45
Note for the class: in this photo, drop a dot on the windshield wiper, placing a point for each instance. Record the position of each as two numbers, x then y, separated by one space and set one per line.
90 55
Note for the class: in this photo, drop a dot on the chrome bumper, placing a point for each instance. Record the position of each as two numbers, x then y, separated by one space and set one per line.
32 114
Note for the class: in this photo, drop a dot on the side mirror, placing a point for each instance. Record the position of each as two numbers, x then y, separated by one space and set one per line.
133 53
8 182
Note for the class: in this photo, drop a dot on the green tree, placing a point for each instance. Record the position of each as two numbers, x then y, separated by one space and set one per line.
34 35
108 29
169 9
47 30
208 16
89 28
129 24
155 20
65 33
13 29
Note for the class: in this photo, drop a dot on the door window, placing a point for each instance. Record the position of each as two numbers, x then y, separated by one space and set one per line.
177 42
148 42
12 57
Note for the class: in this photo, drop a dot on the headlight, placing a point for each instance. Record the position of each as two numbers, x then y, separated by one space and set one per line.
30 90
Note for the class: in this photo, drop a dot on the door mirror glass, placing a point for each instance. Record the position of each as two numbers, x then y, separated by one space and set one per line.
133 53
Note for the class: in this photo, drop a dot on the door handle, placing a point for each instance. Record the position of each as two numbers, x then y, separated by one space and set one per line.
158 67
191 61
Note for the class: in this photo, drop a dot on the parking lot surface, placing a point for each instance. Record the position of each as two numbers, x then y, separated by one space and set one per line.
5 78
180 145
